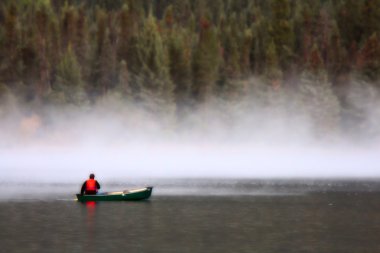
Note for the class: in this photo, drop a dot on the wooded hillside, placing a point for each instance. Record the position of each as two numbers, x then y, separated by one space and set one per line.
321 57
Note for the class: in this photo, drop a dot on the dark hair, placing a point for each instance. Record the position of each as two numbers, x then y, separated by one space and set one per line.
92 176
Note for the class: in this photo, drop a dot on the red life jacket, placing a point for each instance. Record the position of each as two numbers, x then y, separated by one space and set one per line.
91 185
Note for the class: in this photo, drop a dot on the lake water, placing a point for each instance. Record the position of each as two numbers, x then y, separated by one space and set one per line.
196 216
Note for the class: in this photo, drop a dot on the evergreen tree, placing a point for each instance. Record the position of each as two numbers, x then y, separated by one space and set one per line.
231 48
69 84
318 102
103 74
179 50
260 38
245 60
371 17
360 116
128 29
205 62
11 50
369 58
123 86
150 70
349 12
182 12
107 66
55 48
68 25
169 17
273 73
305 20
337 61
81 41
283 34
230 72
42 23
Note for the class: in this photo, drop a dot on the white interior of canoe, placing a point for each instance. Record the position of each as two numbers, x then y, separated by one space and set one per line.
124 192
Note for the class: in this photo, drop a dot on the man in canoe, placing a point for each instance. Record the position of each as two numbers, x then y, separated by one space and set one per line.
90 187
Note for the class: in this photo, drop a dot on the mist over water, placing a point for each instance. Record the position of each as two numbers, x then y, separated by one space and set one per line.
164 160
119 142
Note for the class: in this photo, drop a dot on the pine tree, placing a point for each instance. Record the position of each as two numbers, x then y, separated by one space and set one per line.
81 41
128 29
371 17
283 33
150 71
360 98
107 66
179 50
245 61
69 79
55 47
123 86
42 23
233 38
273 72
182 12
231 48
337 60
369 58
103 72
317 99
11 51
206 62
304 26
68 25
260 38
169 17
350 22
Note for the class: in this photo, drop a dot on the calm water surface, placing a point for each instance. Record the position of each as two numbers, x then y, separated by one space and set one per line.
339 219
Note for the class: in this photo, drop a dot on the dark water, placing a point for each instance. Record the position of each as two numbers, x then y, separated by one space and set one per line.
291 217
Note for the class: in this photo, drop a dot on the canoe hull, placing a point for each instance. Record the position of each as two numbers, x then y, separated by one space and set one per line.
133 195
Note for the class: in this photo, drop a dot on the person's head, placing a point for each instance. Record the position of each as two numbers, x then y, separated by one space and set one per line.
92 176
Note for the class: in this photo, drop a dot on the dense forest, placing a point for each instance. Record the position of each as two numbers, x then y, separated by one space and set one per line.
317 58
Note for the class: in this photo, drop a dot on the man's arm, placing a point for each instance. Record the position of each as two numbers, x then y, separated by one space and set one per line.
97 185
83 188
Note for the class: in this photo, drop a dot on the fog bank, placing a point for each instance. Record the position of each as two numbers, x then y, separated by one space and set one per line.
120 141
173 160
65 146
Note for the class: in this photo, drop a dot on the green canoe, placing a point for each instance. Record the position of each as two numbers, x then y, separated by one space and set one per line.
135 194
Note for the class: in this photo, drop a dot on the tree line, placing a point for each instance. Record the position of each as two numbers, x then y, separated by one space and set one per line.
174 55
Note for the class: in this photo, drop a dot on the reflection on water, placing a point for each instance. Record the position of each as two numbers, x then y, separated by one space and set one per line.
316 221
90 225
